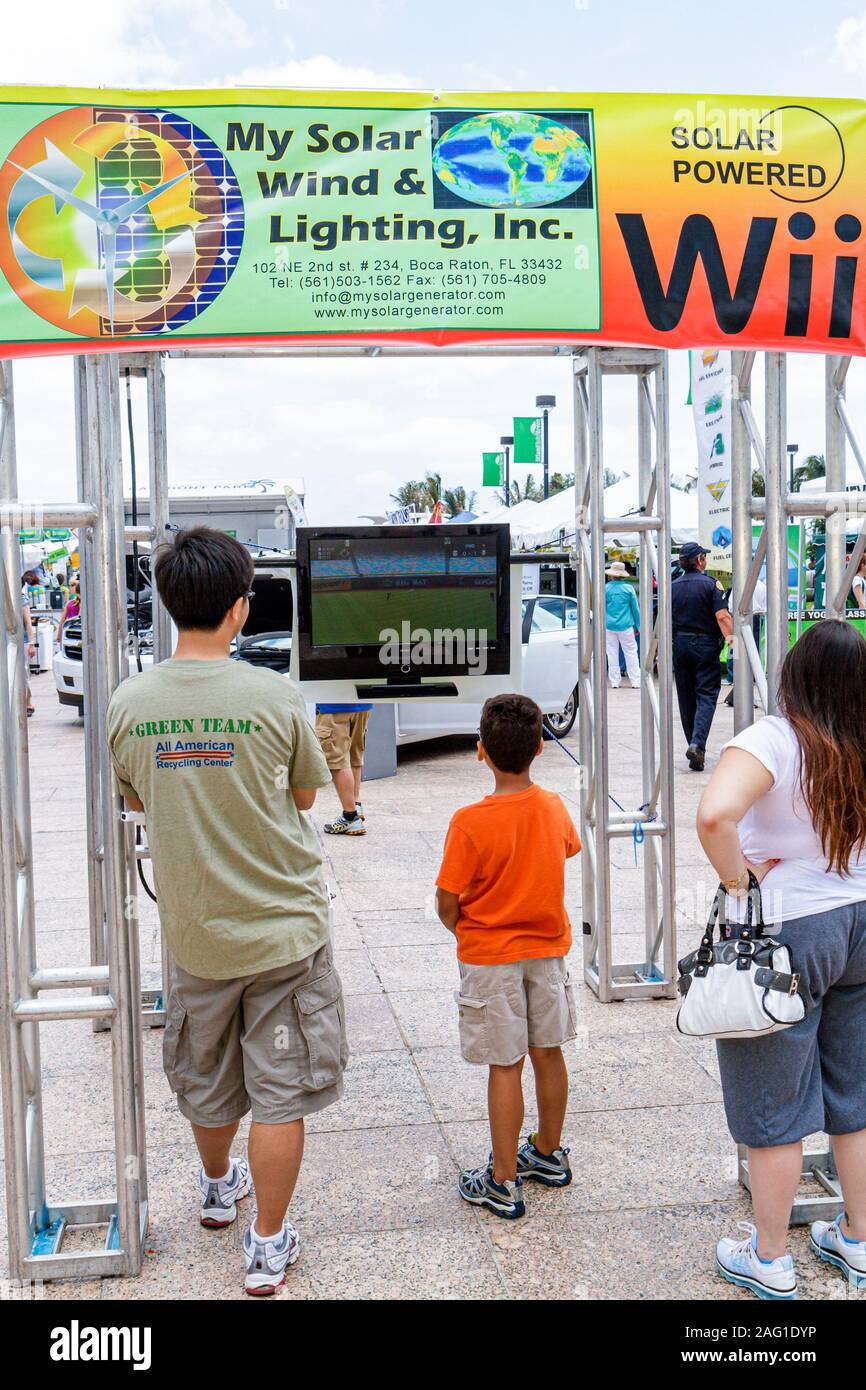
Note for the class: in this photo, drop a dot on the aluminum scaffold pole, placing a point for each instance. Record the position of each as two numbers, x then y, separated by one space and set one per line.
654 977
777 508
38 1225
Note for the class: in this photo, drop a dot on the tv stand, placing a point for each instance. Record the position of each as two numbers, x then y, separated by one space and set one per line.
406 688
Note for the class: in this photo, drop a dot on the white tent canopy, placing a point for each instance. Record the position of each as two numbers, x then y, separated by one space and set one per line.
542 523
522 517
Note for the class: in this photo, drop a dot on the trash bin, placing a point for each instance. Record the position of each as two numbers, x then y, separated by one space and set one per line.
45 645
380 752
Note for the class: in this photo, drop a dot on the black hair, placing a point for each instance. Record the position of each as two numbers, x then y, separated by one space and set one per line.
510 731
200 574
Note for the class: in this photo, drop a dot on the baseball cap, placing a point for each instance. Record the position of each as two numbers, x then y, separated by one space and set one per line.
691 550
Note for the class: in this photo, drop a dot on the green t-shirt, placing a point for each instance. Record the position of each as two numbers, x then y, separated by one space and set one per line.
212 748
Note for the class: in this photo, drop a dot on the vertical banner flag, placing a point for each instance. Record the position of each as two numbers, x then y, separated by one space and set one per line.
436 518
528 439
493 474
711 405
295 505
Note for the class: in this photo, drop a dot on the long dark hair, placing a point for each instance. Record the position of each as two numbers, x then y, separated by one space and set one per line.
822 693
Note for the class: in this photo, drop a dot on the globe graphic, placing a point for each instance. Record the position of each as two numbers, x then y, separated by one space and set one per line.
511 159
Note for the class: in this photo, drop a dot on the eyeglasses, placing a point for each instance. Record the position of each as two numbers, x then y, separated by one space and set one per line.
249 594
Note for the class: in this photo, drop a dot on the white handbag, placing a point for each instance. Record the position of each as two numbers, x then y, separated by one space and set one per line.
742 988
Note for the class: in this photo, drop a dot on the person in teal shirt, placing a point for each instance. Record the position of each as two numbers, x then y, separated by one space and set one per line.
622 621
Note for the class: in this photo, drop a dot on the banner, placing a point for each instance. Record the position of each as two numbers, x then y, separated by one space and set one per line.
295 505
133 219
528 439
493 474
711 406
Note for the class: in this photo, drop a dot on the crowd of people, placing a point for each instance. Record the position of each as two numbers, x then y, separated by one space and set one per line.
71 608
255 1013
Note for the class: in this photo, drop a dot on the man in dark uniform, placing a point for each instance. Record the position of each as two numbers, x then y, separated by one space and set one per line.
701 622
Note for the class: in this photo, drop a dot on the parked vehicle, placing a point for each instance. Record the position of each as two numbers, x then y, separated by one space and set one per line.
264 641
549 654
68 665
550 676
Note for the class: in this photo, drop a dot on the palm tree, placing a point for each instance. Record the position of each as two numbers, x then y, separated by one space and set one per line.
813 467
409 494
431 490
457 500
559 482
531 492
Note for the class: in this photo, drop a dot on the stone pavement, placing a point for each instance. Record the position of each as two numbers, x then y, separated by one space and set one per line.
377 1204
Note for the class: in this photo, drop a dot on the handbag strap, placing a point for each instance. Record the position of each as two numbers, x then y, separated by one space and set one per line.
752 927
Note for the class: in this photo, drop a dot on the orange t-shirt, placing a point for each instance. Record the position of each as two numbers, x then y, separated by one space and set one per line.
505 859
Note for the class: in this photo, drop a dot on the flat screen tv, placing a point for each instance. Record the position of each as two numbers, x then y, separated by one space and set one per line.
397 603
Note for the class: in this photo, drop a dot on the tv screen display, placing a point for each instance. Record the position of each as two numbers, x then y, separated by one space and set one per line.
439 594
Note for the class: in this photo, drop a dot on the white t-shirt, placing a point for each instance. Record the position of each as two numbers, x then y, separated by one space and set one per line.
778 826
759 597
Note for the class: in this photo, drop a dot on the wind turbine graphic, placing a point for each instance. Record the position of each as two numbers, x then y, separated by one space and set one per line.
108 220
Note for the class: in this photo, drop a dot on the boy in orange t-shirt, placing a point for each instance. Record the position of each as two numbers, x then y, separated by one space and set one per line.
500 890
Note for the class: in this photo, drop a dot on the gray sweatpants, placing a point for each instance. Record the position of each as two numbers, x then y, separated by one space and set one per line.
812 1076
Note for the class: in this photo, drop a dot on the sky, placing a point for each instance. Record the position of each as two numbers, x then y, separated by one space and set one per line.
354 430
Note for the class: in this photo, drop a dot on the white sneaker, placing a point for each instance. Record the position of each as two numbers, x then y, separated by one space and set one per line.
219 1199
268 1260
830 1243
739 1263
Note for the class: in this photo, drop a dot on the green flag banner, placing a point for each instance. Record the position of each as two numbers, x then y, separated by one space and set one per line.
494 470
528 439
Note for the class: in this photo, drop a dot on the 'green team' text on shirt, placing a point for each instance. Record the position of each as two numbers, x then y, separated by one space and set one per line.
212 750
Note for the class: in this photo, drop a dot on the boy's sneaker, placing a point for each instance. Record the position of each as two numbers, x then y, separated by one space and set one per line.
738 1262
830 1243
342 826
268 1260
478 1186
554 1170
219 1198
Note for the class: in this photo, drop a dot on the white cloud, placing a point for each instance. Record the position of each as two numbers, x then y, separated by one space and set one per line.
319 71
851 43
109 45
378 478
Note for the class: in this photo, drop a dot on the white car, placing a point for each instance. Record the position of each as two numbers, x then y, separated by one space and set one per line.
550 675
68 666
550 672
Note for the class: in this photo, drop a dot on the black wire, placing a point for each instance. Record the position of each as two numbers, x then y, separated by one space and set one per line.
144 883
251 545
135 571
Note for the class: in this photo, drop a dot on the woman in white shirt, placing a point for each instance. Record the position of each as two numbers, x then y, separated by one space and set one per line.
858 585
788 801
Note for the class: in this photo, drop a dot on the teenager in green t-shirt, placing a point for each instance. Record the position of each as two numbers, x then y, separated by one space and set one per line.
222 759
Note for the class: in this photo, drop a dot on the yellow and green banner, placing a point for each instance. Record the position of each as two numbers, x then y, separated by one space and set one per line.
133 219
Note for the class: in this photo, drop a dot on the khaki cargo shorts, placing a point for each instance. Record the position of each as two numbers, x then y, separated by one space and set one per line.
506 1009
342 737
273 1043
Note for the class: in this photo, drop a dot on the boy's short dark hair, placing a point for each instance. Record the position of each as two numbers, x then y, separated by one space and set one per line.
510 731
200 574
